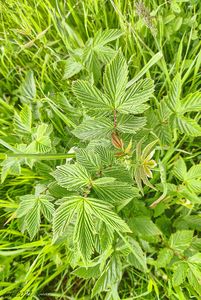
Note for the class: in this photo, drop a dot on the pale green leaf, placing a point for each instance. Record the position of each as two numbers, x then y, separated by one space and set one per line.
26 204
136 96
105 154
130 123
195 259
164 111
137 258
72 176
10 166
89 159
164 133
63 216
71 68
194 172
28 88
23 120
30 209
164 257
188 126
194 278
93 64
90 96
87 272
104 37
32 219
147 152
106 236
180 170
174 94
120 172
114 191
180 273
181 240
103 212
105 53
115 78
47 207
94 129
144 226
84 231
194 185
192 102
111 275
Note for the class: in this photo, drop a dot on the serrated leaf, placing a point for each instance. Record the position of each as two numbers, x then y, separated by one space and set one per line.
144 226
93 64
89 159
106 155
94 129
41 139
188 126
30 209
164 134
115 192
26 204
71 68
180 170
10 166
136 96
90 96
137 258
111 275
28 88
193 221
192 102
181 240
106 236
105 53
195 259
104 37
63 216
84 231
194 172
194 185
47 208
164 111
180 273
120 172
87 273
164 257
130 123
174 95
32 219
116 78
194 278
72 176
88 210
23 120
102 211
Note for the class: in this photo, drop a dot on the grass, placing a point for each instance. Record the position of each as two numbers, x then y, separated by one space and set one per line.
39 36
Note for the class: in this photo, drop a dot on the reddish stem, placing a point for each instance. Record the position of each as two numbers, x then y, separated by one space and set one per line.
115 118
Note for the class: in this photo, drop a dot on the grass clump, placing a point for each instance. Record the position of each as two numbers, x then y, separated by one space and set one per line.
100 150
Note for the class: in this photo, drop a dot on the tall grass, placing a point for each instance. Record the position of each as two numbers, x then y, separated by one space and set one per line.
39 36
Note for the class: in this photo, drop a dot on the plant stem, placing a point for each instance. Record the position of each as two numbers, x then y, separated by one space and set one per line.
38 156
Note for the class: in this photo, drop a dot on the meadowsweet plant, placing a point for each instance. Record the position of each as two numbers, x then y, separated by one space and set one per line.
100 172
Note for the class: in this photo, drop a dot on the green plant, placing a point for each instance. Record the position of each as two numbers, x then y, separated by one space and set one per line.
99 142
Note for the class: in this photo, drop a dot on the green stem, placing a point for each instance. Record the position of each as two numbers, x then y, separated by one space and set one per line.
38 156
